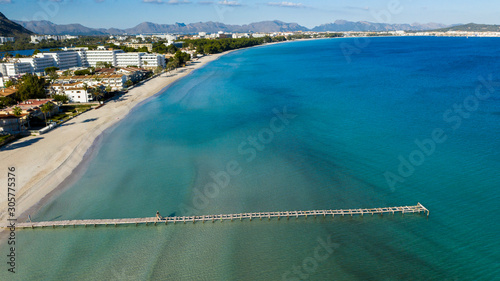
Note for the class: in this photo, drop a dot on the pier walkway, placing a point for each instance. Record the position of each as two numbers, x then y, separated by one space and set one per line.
419 208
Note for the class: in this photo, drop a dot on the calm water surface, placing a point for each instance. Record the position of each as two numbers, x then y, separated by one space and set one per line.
348 123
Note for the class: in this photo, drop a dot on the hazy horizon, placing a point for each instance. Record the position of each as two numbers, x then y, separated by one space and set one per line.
117 14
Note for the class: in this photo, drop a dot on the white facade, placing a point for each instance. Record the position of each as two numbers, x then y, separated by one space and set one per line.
153 61
6 39
127 59
78 95
39 62
108 56
65 60
15 68
168 37
37 38
79 58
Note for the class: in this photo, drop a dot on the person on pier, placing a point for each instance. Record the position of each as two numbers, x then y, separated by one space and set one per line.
158 216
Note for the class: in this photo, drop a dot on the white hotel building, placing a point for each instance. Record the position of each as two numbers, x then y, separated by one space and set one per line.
79 58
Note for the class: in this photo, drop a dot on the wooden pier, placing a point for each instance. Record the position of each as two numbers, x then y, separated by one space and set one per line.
419 208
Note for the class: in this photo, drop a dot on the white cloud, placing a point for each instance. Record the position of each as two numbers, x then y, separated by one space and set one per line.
286 4
5 1
229 3
176 2
153 1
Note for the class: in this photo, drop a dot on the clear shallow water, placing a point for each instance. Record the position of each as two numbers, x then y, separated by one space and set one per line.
352 121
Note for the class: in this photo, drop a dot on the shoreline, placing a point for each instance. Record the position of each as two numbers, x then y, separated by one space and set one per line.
69 148
52 159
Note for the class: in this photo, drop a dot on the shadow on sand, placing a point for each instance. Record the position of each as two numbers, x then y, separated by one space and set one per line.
20 144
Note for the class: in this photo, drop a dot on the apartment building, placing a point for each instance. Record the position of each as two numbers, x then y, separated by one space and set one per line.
6 39
79 58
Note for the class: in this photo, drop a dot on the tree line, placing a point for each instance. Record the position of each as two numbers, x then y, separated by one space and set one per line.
29 86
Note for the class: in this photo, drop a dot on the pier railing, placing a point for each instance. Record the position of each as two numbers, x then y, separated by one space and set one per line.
419 208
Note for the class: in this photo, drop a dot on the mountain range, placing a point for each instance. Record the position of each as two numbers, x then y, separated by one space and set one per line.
473 27
343 25
47 27
9 28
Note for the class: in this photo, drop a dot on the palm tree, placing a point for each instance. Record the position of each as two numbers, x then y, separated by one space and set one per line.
97 93
18 112
46 108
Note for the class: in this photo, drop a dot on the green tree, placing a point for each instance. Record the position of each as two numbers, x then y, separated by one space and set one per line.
82 72
61 98
108 89
97 93
8 83
103 64
51 72
129 83
31 87
51 69
47 108
18 112
36 52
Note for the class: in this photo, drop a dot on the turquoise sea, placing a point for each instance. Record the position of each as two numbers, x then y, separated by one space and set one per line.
323 124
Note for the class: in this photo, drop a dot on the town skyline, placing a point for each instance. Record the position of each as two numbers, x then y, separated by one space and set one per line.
129 13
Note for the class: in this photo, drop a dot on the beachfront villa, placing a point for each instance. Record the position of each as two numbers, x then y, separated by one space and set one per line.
10 123
115 81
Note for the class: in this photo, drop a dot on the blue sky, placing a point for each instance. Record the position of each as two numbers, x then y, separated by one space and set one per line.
129 13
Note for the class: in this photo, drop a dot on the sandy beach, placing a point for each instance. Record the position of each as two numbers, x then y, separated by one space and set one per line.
43 162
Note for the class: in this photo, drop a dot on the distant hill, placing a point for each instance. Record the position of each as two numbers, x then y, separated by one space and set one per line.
47 27
9 28
343 25
472 27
